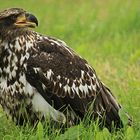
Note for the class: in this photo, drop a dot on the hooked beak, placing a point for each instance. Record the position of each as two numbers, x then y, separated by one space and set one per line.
27 20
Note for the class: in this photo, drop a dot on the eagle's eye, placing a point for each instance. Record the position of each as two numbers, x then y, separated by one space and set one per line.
13 17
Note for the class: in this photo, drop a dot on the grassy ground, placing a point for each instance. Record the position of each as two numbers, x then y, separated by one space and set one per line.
107 34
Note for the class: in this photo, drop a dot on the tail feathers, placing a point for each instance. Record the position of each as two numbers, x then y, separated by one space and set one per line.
128 120
107 106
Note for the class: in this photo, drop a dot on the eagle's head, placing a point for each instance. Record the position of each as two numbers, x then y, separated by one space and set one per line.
14 19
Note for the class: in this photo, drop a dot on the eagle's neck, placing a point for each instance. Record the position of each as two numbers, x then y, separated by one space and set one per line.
7 34
13 57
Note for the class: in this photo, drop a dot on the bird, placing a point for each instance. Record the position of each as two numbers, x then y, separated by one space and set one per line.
42 78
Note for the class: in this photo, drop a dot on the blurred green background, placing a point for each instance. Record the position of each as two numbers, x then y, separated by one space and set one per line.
107 34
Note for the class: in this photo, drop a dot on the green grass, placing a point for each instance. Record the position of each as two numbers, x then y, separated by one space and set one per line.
107 34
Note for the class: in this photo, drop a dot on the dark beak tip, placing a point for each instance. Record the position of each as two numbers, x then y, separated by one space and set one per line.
32 18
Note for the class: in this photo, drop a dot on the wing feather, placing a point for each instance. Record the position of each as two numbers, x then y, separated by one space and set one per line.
63 78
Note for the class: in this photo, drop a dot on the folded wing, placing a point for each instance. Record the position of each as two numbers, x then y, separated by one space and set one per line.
64 79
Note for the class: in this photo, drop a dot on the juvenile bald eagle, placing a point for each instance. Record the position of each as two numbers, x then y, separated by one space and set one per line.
41 77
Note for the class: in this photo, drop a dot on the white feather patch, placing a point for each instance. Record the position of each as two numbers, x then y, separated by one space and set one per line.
83 88
40 105
49 73
36 70
82 74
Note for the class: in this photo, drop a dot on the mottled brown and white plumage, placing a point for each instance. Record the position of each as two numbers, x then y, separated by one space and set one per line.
41 77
